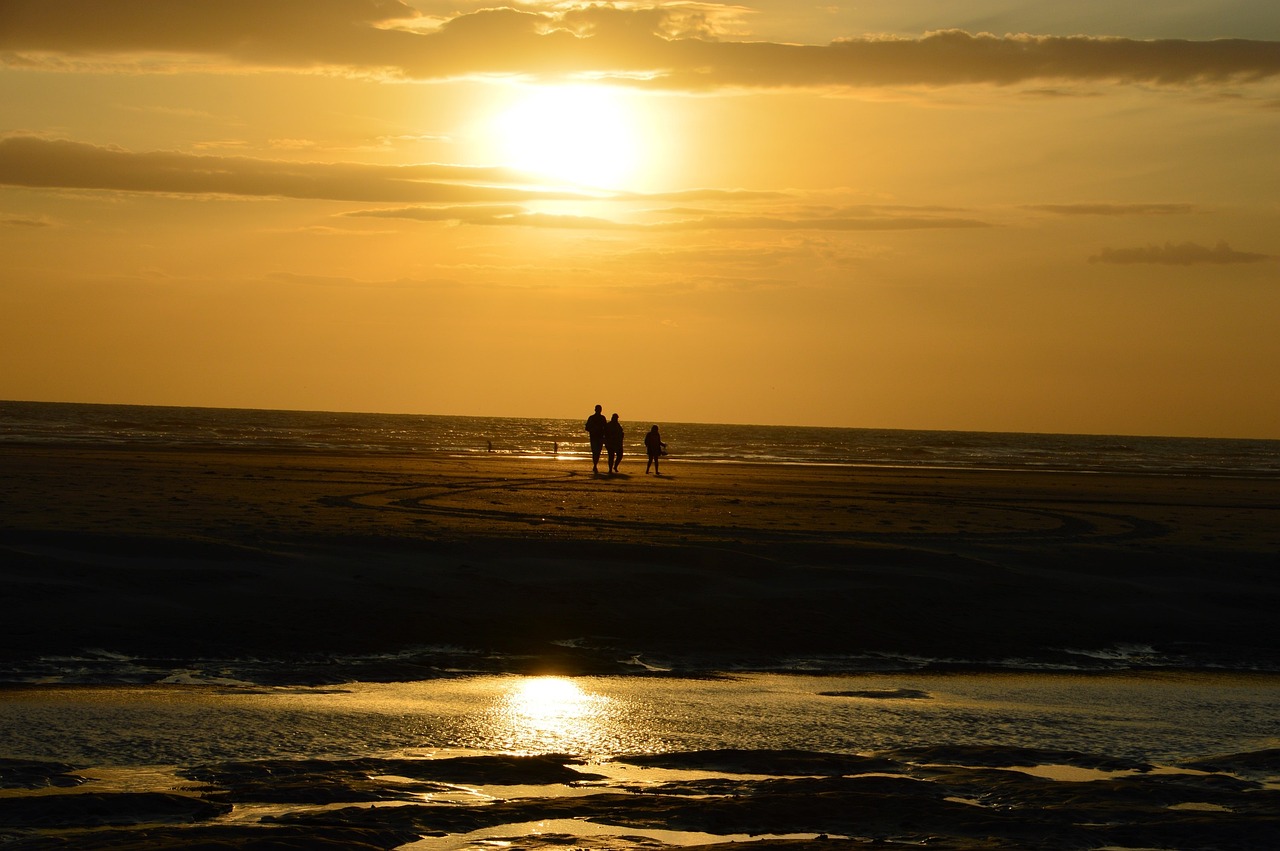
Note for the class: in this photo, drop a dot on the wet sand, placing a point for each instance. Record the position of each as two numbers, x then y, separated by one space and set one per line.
177 554
917 798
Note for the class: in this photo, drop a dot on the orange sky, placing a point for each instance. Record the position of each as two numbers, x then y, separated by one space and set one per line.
992 215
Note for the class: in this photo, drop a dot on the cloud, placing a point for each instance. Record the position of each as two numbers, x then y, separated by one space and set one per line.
292 30
1113 209
25 222
37 162
430 193
715 221
359 283
836 223
493 215
717 195
1180 254
676 47
556 221
440 214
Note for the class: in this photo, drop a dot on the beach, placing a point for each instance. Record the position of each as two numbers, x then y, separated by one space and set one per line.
194 639
228 554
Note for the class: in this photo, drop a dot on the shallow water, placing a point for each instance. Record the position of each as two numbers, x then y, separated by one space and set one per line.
331 746
1160 718
205 428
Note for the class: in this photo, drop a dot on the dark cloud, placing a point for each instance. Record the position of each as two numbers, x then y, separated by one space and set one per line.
672 47
1180 254
1113 209
37 162
286 30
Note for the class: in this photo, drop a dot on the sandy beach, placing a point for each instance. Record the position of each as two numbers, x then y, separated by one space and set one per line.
229 554
240 649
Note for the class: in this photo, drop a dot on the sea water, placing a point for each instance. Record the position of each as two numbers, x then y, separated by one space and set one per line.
205 428
1163 718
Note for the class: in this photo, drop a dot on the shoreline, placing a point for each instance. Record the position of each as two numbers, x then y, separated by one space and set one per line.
175 554
583 457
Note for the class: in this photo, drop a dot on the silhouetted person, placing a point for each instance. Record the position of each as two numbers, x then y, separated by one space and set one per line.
613 443
654 446
595 429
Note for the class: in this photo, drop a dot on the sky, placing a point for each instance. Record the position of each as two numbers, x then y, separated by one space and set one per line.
998 215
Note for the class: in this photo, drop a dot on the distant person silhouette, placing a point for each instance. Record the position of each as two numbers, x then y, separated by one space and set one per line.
613 443
656 448
595 430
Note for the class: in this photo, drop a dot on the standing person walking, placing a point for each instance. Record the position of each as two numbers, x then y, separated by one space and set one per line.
595 430
613 443
654 446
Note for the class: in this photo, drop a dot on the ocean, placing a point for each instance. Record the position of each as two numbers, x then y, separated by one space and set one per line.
204 428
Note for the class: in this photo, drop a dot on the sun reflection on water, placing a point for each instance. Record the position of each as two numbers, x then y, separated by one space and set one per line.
552 715
549 701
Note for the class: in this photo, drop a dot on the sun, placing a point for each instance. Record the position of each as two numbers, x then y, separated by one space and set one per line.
577 134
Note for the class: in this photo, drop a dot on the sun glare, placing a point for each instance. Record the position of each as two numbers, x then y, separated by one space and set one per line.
549 699
550 715
583 135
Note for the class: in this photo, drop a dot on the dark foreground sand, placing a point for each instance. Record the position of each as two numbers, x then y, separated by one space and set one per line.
173 554
912 798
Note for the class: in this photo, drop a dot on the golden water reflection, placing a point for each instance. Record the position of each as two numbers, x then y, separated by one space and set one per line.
554 715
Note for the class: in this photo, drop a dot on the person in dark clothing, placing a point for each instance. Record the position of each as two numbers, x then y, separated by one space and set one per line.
613 443
655 447
595 430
